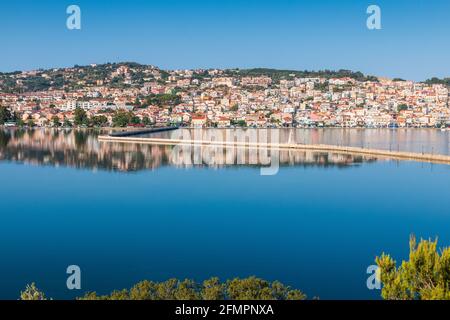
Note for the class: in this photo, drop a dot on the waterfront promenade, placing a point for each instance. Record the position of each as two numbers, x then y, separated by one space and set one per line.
379 153
128 133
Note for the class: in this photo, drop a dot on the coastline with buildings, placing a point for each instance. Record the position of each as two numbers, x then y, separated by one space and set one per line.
134 95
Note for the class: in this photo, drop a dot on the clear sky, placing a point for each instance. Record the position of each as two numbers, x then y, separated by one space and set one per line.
414 42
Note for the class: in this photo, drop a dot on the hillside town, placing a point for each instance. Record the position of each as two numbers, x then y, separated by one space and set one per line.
134 95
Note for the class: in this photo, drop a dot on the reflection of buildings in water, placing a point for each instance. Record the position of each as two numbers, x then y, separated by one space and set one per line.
408 140
81 149
219 156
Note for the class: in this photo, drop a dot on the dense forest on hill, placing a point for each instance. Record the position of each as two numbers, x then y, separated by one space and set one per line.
444 81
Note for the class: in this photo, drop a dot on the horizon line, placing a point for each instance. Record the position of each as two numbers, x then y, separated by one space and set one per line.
215 68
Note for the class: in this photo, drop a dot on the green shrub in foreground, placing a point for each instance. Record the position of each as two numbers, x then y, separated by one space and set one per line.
426 276
237 289
212 289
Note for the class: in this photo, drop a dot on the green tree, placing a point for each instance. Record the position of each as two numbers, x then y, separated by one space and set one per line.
55 121
121 118
187 290
99 121
426 276
444 81
32 293
237 289
31 123
67 123
402 107
234 107
5 115
166 99
145 290
213 289
137 103
20 122
134 119
80 117
166 290
120 295
258 289
91 296
239 123
146 121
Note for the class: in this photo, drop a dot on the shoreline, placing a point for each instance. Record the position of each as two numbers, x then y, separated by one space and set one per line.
126 129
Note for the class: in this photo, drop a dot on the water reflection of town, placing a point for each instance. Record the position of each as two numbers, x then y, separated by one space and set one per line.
81 149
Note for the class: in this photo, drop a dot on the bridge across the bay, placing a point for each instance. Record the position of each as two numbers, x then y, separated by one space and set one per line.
379 153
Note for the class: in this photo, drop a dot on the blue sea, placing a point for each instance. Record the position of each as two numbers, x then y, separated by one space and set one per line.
126 213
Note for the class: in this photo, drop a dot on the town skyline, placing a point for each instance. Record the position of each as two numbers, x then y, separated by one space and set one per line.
131 94
121 62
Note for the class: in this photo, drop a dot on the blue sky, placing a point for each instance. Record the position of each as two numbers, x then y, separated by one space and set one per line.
314 34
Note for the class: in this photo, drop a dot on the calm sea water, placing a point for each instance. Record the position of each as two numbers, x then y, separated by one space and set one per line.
125 213
405 139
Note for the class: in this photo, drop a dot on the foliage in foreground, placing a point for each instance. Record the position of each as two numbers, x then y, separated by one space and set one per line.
237 289
32 293
426 276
